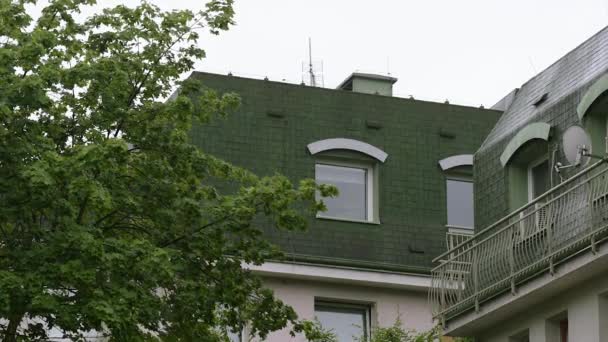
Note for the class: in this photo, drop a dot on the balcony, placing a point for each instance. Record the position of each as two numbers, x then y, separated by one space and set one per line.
457 236
566 220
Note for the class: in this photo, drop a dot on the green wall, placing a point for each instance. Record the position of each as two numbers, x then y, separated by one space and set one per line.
276 121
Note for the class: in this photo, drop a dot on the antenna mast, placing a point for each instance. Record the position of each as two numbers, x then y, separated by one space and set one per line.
311 72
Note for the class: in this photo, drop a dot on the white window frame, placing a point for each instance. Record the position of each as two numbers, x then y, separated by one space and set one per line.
370 188
525 231
531 166
367 307
453 228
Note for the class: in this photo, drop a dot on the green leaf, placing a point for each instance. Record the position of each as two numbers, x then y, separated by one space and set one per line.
111 221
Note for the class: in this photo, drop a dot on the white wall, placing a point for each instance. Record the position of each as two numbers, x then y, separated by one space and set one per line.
387 304
587 311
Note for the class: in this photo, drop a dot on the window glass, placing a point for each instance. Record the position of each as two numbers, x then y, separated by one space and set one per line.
348 322
351 203
460 203
540 179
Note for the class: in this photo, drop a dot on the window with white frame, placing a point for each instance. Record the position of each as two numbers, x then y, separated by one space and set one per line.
355 184
349 322
538 178
458 170
459 195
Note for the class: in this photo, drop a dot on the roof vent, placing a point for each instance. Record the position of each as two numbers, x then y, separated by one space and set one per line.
541 99
369 84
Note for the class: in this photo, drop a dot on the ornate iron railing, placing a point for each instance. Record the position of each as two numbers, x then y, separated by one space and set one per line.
565 220
453 239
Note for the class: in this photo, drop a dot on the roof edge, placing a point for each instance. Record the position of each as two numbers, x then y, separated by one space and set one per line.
536 130
202 74
596 90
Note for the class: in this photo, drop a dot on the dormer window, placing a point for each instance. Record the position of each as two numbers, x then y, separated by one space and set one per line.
596 123
592 113
355 186
526 161
458 171
459 193
538 178
352 167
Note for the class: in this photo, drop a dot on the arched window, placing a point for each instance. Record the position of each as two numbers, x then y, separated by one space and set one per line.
526 160
351 166
593 113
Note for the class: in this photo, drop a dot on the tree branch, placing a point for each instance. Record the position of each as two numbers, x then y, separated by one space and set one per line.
103 218
180 238
149 71
82 210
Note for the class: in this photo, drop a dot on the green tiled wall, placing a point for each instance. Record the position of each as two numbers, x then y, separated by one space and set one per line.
492 183
276 121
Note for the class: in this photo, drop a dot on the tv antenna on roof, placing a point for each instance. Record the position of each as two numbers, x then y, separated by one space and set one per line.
312 71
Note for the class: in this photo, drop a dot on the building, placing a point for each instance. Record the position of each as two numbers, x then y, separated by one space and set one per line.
404 171
537 268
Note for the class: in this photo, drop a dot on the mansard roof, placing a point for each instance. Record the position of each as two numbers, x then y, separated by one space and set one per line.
571 72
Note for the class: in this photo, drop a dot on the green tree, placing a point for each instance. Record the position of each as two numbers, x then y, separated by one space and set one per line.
109 220
396 333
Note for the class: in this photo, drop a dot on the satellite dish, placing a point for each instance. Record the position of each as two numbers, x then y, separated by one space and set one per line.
577 145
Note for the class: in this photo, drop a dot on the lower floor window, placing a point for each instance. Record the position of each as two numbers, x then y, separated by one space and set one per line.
349 322
235 337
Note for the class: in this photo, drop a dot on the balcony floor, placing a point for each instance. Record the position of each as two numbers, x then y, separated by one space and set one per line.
572 272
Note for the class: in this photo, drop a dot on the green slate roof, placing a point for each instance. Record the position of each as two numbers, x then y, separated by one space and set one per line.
272 132
572 71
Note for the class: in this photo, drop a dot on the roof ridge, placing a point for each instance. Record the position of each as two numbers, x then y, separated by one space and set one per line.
566 74
570 52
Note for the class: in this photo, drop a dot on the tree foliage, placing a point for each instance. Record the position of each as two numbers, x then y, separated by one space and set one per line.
109 220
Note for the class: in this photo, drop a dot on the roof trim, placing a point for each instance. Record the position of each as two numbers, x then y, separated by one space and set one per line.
344 275
347 144
455 161
596 89
537 130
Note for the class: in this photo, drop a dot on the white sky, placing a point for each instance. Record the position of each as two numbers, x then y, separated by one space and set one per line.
468 51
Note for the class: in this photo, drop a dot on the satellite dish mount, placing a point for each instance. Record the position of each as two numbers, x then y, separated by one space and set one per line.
576 145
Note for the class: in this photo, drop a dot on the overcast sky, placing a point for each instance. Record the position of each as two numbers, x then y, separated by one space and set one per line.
468 51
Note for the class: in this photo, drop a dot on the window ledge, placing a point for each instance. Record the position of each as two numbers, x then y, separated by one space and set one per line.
330 218
460 229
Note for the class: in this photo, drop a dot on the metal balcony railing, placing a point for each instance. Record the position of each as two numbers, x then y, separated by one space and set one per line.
565 220
453 239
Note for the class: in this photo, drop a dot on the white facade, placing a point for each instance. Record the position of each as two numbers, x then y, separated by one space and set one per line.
388 295
585 308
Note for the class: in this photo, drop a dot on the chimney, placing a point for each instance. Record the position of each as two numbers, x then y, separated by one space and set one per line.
369 84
